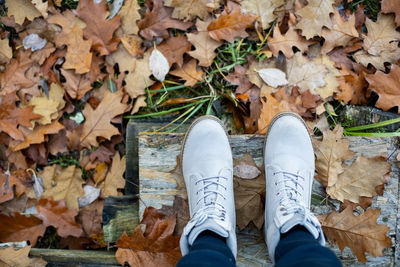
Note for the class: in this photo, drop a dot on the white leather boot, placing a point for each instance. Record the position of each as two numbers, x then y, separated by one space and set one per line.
289 168
207 168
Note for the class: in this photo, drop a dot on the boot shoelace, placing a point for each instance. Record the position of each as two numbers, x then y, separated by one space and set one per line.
289 195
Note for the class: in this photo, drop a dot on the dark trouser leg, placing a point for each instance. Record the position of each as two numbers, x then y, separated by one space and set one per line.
209 249
299 248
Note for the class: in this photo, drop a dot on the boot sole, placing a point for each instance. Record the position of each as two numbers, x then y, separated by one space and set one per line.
205 117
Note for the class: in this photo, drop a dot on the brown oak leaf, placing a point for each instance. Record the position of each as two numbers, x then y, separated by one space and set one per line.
189 72
387 86
97 122
76 85
239 77
157 20
157 246
98 28
56 214
188 10
6 189
174 48
78 55
114 179
392 6
230 24
270 107
11 257
360 233
20 228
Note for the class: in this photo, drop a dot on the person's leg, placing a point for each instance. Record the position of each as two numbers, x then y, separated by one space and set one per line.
293 233
207 168
299 248
209 249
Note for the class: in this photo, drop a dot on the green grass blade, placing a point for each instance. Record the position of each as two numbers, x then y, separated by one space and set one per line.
391 134
373 125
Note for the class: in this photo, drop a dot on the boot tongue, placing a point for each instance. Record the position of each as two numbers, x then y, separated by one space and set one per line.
210 187
209 225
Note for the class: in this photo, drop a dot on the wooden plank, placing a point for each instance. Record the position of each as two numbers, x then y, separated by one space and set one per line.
79 258
157 187
120 214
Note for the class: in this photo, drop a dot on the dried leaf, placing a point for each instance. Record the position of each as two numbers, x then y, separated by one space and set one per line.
34 42
78 56
19 228
392 6
189 73
97 121
6 190
230 24
188 10
262 9
158 65
129 14
239 78
21 9
353 88
204 44
11 257
137 81
180 209
331 152
155 247
41 6
270 108
360 179
76 85
360 233
5 51
56 214
114 179
387 86
91 194
273 77
174 48
157 20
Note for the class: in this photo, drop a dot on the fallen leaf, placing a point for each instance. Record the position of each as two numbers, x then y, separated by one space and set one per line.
239 78
94 14
11 257
56 214
387 86
6 189
126 62
204 44
174 48
78 55
114 179
20 228
100 173
33 42
97 122
360 233
129 14
262 9
188 10
158 247
91 194
249 196
64 184
230 24
5 51
41 6
256 65
270 107
157 20
353 88
132 45
392 6
46 107
21 9
341 32
137 81
90 217
189 72
180 209
330 153
273 77
360 179
76 85
285 43
158 65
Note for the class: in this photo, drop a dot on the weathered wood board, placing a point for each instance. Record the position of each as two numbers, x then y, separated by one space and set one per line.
157 157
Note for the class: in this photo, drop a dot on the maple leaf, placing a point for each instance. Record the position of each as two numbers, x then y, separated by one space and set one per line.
262 9
157 20
352 88
239 78
11 116
114 179
331 152
137 81
189 73
98 29
64 183
11 257
188 10
392 6
314 16
360 179
56 214
387 86
18 227
230 24
174 48
270 107
249 196
380 45
129 14
21 9
341 32
35 136
286 42
97 122
204 44
78 56
360 233
157 246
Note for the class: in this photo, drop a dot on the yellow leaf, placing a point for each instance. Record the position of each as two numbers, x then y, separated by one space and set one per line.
114 179
11 257
21 9
137 81
78 56
129 14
